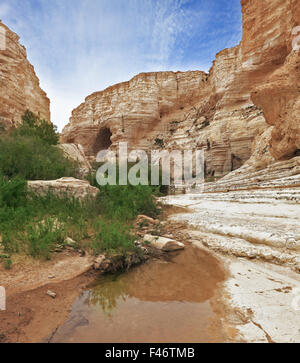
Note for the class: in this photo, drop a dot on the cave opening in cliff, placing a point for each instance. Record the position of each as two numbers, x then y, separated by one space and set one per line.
103 140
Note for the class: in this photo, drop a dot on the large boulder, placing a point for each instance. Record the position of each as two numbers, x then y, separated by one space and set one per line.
79 189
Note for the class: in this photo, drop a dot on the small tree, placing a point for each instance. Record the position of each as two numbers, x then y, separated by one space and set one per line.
32 125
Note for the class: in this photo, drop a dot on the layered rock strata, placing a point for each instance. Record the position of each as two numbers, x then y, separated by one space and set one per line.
130 110
252 89
19 85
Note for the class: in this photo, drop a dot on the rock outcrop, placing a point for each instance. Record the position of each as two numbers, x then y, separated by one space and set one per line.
254 224
79 189
281 174
252 91
19 86
278 93
130 110
75 153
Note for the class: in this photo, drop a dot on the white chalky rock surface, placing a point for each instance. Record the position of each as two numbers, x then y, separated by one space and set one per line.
269 297
257 235
164 244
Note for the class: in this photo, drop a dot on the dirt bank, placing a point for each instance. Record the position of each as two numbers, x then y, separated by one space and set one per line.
31 314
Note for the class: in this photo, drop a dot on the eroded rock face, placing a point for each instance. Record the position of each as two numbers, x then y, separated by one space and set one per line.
250 88
79 189
279 93
19 85
130 110
76 154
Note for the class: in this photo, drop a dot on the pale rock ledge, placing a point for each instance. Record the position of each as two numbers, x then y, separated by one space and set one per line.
79 189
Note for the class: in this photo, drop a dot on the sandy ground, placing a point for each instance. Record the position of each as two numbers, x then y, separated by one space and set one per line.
31 314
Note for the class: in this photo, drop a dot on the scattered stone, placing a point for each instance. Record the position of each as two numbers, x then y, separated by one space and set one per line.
142 219
164 244
51 277
119 261
99 262
51 294
70 242
59 248
82 253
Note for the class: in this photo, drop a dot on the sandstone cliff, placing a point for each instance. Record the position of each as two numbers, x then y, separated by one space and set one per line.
130 110
245 110
19 85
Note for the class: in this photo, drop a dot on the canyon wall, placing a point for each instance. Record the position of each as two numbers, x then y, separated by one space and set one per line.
279 93
130 110
19 85
244 112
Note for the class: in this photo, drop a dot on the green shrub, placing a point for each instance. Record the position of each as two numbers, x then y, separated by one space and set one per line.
32 125
112 237
124 203
42 238
33 159
12 192
38 223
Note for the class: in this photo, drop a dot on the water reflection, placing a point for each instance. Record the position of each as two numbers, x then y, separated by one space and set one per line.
161 301
107 293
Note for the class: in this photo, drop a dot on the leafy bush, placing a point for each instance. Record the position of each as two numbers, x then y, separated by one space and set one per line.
124 203
30 151
35 225
33 159
112 237
12 192
41 238
32 125
40 223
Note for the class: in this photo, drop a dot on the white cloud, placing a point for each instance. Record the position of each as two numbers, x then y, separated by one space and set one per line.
82 46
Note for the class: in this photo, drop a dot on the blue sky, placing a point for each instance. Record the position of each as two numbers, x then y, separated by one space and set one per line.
81 46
